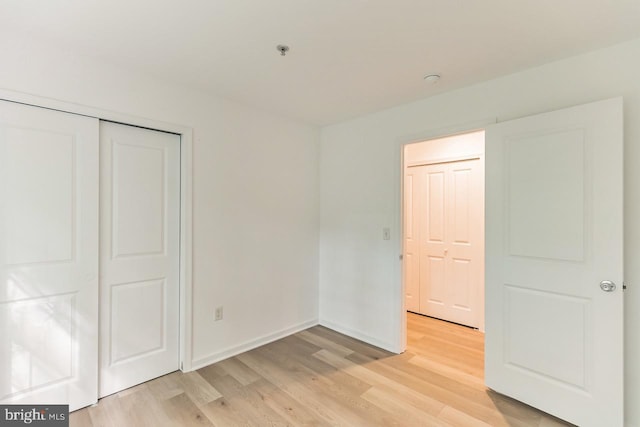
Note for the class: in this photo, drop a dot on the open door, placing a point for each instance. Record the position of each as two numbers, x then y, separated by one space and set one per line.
554 262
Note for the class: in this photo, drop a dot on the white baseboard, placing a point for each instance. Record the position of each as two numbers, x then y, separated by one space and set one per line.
250 345
359 335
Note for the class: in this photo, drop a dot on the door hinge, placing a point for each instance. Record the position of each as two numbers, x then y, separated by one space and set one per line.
624 286
400 257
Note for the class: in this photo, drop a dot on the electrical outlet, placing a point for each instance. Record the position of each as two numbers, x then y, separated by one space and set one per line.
219 313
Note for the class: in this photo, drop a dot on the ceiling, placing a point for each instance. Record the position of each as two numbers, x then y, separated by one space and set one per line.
347 57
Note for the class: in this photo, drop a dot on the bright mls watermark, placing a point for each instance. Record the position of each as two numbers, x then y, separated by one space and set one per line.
34 415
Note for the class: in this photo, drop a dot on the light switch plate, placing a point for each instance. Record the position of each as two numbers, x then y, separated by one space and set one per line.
386 233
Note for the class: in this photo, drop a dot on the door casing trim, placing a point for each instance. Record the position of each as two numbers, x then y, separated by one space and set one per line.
400 312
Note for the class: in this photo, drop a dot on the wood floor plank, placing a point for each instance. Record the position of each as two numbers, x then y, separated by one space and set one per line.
141 408
429 405
183 412
80 418
222 414
296 413
319 377
321 371
398 404
108 412
165 387
333 402
294 385
457 395
550 421
459 418
248 402
423 379
447 371
199 390
351 343
238 370
471 366
325 343
365 412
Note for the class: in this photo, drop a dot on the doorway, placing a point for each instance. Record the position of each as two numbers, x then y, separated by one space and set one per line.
554 239
443 233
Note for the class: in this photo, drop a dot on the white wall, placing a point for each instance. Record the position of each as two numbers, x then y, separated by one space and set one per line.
359 272
255 193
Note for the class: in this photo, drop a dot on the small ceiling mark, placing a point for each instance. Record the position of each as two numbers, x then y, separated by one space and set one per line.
283 49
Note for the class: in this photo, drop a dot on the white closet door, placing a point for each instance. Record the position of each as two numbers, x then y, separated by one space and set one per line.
139 255
434 286
48 256
465 242
412 204
451 241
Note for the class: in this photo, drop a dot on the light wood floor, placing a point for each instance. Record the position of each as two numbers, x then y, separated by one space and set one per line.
319 377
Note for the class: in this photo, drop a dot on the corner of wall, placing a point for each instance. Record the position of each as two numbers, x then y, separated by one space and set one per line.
359 335
228 352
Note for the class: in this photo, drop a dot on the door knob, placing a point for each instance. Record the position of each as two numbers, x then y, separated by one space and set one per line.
607 286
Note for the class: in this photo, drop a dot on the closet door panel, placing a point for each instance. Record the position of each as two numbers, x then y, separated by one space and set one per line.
465 242
139 255
433 235
48 256
451 242
413 182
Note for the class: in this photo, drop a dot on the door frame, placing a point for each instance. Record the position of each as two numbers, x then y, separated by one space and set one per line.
186 196
400 319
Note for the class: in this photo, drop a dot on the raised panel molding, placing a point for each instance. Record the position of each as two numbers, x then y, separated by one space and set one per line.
40 205
461 284
136 310
461 193
138 200
436 273
565 322
435 207
37 344
546 216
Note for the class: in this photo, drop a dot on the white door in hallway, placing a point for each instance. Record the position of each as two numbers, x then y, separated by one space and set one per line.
554 248
139 255
48 257
412 204
451 241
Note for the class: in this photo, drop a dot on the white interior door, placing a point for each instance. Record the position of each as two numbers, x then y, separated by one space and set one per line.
554 194
434 241
139 255
48 256
464 253
412 205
